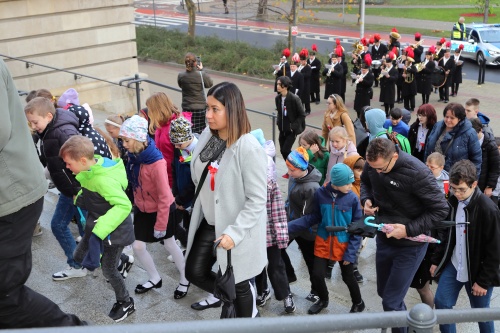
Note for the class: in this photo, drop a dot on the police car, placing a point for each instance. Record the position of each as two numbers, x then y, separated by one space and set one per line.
482 43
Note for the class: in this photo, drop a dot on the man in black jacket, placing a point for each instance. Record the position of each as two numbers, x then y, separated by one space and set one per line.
471 255
305 70
315 64
291 116
404 193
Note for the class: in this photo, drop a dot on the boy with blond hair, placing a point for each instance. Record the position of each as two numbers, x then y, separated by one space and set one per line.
109 227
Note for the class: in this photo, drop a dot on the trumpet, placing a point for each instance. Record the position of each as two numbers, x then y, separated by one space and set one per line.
417 44
359 78
382 74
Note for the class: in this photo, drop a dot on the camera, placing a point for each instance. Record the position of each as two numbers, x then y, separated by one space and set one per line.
198 59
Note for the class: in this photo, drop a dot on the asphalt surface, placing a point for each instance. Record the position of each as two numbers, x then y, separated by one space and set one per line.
92 298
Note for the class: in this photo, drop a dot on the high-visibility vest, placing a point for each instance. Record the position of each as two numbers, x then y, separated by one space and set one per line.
457 33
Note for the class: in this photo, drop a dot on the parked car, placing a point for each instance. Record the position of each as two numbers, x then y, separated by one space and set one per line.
482 42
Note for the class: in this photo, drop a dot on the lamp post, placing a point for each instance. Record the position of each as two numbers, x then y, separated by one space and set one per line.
294 38
362 26
154 12
236 17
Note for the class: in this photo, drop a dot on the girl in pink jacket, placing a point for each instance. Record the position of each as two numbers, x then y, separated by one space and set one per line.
153 199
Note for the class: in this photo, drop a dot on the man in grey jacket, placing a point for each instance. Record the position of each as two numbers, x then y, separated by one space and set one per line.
22 189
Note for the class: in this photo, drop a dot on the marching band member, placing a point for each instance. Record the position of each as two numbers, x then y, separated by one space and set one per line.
418 49
409 88
345 70
388 83
284 67
438 55
334 74
296 76
448 66
400 62
379 51
457 74
424 75
364 83
305 70
315 64
394 37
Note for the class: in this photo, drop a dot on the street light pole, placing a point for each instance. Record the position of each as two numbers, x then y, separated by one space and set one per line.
362 26
236 13
154 12
294 38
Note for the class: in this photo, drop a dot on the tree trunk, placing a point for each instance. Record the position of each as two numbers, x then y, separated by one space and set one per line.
486 10
191 7
262 10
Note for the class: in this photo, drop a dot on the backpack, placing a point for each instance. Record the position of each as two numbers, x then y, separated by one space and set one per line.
398 139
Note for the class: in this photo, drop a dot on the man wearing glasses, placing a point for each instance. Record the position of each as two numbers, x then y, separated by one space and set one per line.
472 256
403 192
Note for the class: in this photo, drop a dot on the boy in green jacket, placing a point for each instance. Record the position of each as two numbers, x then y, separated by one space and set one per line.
109 225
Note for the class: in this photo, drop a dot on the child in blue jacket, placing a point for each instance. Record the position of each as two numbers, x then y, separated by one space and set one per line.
336 205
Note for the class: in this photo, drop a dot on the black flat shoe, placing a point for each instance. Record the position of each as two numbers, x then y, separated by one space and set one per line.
317 307
357 307
198 306
140 289
181 294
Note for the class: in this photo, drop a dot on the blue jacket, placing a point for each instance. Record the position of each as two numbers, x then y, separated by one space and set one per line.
346 208
464 147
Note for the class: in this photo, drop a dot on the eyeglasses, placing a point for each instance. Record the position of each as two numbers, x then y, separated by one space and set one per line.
459 190
386 167
432 167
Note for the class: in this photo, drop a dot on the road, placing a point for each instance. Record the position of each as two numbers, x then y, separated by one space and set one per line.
266 35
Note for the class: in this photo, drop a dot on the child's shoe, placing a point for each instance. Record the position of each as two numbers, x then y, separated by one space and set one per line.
289 304
262 299
38 230
121 310
317 306
357 307
69 273
125 265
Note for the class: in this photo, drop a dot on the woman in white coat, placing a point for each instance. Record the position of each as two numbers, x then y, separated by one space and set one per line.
231 205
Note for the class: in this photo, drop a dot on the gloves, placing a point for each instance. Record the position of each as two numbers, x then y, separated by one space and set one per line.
160 234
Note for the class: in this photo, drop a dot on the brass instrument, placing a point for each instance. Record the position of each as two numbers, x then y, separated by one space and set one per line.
408 76
417 44
360 77
357 48
382 74
420 66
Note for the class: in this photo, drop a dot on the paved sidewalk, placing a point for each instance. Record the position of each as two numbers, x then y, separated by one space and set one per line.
91 297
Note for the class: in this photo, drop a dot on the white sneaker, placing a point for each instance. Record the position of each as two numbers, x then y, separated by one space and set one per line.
69 273
78 239
171 258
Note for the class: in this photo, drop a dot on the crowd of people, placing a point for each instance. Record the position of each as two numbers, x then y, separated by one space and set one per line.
162 176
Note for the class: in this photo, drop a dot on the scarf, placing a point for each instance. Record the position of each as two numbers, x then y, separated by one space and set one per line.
148 156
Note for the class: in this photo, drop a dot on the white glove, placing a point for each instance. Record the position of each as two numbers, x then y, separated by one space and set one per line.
160 234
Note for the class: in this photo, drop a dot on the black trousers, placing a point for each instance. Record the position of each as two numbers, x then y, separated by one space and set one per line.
409 102
307 249
277 275
444 92
388 108
286 140
454 88
320 265
20 306
199 270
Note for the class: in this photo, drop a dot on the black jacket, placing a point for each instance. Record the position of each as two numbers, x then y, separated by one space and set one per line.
306 92
482 241
333 82
297 83
388 86
58 131
381 52
295 113
490 166
412 138
408 194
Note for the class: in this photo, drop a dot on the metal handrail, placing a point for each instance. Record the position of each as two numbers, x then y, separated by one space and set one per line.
75 74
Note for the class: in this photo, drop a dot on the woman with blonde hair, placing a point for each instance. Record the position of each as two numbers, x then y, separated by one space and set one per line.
337 115
193 83
161 112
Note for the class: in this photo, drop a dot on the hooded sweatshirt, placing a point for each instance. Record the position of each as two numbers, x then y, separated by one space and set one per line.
350 161
338 156
375 119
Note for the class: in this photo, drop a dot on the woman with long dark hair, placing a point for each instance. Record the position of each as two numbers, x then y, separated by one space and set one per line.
231 205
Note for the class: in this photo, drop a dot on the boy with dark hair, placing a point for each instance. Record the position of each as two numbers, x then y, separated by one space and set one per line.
471 255
109 227
395 123
490 166
55 127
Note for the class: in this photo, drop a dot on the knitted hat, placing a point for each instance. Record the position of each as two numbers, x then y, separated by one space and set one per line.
298 159
180 131
67 97
135 128
341 175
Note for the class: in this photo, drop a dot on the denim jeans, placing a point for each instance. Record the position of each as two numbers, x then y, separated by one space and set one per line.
447 295
65 210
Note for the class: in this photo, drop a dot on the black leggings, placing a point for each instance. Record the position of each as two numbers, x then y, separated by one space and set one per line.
199 270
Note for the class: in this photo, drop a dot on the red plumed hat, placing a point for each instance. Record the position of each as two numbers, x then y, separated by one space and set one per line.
286 52
461 47
368 59
441 41
296 58
303 54
410 55
392 56
314 47
432 49
376 37
395 51
418 35
448 44
364 41
371 40
337 41
338 51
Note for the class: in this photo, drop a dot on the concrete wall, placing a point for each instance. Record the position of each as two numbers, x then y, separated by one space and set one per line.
92 37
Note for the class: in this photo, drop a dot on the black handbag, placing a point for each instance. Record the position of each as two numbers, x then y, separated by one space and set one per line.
225 287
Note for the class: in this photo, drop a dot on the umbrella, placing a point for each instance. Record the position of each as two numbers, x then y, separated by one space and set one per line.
225 287
388 228
356 228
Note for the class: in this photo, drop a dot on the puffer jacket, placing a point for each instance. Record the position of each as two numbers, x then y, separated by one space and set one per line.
482 240
465 145
103 196
58 131
301 197
490 166
193 92
332 208
408 194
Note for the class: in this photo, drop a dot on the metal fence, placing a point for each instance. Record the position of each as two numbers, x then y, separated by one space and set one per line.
421 319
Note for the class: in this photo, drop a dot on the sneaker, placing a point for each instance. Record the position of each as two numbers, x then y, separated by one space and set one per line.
69 273
262 299
78 239
121 310
125 265
312 297
38 230
289 304
358 276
